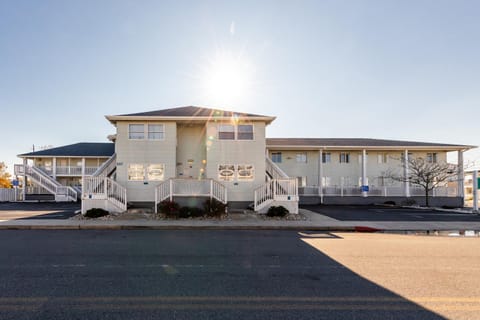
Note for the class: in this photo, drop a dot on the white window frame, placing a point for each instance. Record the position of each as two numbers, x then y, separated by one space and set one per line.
326 157
161 131
301 157
137 132
245 125
151 168
432 157
226 167
344 157
275 156
220 131
245 167
141 168
382 158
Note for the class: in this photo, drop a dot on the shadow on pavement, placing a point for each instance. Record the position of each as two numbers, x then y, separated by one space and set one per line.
186 275
37 210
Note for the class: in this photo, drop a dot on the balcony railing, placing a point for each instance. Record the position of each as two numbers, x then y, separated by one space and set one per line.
382 191
68 170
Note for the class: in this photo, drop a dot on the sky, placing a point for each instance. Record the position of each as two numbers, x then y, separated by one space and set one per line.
406 69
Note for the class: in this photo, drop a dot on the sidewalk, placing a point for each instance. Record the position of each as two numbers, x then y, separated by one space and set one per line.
313 221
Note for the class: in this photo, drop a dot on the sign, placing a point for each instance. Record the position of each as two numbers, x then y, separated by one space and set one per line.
365 189
15 183
478 183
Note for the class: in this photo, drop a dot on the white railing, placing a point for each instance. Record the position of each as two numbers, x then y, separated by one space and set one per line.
190 188
104 188
10 195
273 170
275 190
69 171
107 167
382 191
43 180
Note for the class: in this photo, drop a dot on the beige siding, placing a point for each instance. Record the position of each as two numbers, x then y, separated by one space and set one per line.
251 152
352 171
144 152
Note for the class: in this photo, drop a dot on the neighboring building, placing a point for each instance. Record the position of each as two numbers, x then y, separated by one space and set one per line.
190 153
469 185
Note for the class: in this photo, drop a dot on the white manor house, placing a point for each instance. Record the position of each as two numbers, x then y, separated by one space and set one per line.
193 153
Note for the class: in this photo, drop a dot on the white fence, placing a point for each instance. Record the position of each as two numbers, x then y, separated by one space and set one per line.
390 191
10 195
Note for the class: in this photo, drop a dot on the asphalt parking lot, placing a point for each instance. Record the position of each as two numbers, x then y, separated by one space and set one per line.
380 213
37 210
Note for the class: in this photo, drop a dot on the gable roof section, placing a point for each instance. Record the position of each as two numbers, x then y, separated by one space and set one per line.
191 113
82 149
358 143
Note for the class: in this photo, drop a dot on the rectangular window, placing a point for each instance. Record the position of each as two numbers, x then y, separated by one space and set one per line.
156 172
226 172
344 157
136 131
226 132
326 157
245 172
382 158
245 132
431 157
136 172
301 158
156 131
277 157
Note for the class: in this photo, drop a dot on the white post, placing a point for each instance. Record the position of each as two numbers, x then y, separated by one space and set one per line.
171 190
211 189
364 172
320 175
406 185
461 178
24 179
341 186
83 173
156 200
475 191
54 169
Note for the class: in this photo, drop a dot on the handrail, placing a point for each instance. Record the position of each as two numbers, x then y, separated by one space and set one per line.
106 167
104 188
274 170
190 187
275 189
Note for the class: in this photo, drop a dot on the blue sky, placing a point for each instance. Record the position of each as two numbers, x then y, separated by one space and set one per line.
406 69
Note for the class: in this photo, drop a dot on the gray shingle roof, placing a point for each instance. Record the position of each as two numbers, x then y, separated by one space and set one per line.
82 149
190 111
354 142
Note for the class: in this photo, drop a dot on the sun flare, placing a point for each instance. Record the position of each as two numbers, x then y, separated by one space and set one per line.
227 78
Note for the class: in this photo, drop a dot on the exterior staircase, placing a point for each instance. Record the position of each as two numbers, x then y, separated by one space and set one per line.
279 189
60 192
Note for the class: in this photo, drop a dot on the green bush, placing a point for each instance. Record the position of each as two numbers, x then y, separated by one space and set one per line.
214 208
190 212
169 208
275 211
96 213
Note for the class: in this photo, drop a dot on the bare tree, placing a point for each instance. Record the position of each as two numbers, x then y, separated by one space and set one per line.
426 174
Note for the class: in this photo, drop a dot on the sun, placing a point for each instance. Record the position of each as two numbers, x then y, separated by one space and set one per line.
227 78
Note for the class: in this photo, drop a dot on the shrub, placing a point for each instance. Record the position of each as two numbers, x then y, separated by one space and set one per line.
214 208
277 211
96 213
390 203
190 212
169 208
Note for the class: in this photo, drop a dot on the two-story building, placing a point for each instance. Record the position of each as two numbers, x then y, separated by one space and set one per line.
192 153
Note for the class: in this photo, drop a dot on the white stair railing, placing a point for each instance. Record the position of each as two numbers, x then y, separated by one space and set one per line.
190 188
275 190
62 193
107 167
274 170
104 188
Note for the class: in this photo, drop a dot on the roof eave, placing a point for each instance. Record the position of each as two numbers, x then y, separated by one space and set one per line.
399 147
113 119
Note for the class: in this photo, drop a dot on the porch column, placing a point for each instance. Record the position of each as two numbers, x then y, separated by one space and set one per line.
54 168
24 178
475 190
83 173
461 178
406 184
320 175
364 172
